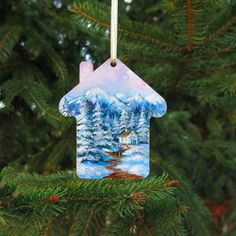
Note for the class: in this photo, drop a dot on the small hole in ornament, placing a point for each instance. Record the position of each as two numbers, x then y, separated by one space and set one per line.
113 64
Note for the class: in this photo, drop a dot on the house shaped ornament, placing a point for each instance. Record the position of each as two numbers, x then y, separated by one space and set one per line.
113 108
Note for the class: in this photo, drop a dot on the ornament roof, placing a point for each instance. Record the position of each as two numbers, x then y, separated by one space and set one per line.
117 86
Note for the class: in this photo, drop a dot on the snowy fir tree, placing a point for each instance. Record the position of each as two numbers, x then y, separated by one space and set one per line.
107 121
115 126
143 128
133 121
108 130
185 50
98 131
85 144
124 118
108 136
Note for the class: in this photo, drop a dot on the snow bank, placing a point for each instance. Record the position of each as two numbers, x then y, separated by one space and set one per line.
91 170
136 160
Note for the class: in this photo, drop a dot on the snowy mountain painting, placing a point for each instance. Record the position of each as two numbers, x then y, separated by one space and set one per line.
112 107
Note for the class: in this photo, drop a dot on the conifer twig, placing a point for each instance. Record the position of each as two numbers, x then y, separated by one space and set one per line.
10 64
88 222
48 227
217 32
80 10
147 229
189 7
50 115
6 36
214 53
57 65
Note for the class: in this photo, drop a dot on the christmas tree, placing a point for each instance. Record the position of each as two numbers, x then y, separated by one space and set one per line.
185 50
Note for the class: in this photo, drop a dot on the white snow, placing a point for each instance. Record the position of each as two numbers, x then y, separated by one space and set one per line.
120 96
136 160
154 98
96 94
91 170
137 98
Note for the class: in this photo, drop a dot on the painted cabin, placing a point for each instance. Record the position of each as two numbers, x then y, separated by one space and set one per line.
128 137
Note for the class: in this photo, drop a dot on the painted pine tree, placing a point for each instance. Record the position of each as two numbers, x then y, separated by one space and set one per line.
108 130
98 132
143 128
85 143
115 127
132 124
124 118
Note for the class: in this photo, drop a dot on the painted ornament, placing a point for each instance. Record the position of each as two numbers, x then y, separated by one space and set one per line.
112 107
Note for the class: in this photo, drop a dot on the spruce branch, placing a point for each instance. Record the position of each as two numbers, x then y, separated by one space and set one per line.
53 58
88 221
218 52
43 109
190 198
9 65
56 155
9 37
50 197
48 227
189 7
10 89
218 32
80 10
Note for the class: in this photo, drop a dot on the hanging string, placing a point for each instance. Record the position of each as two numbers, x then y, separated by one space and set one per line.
113 33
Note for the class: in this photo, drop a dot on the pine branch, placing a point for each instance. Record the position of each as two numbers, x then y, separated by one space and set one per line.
7 65
200 214
58 65
46 198
156 186
53 58
190 24
43 109
218 52
9 38
218 32
88 222
214 69
49 225
80 10
37 93
56 155
10 89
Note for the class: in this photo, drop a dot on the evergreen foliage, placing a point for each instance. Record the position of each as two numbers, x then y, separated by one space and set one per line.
143 130
85 144
123 120
183 49
97 126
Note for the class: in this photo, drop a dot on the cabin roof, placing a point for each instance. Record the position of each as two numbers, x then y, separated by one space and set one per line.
125 133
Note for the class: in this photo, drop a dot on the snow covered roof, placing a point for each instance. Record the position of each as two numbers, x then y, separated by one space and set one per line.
126 133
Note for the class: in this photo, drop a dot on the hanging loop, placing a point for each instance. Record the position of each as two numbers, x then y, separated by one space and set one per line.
113 31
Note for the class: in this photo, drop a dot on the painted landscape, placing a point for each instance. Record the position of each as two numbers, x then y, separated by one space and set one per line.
112 133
